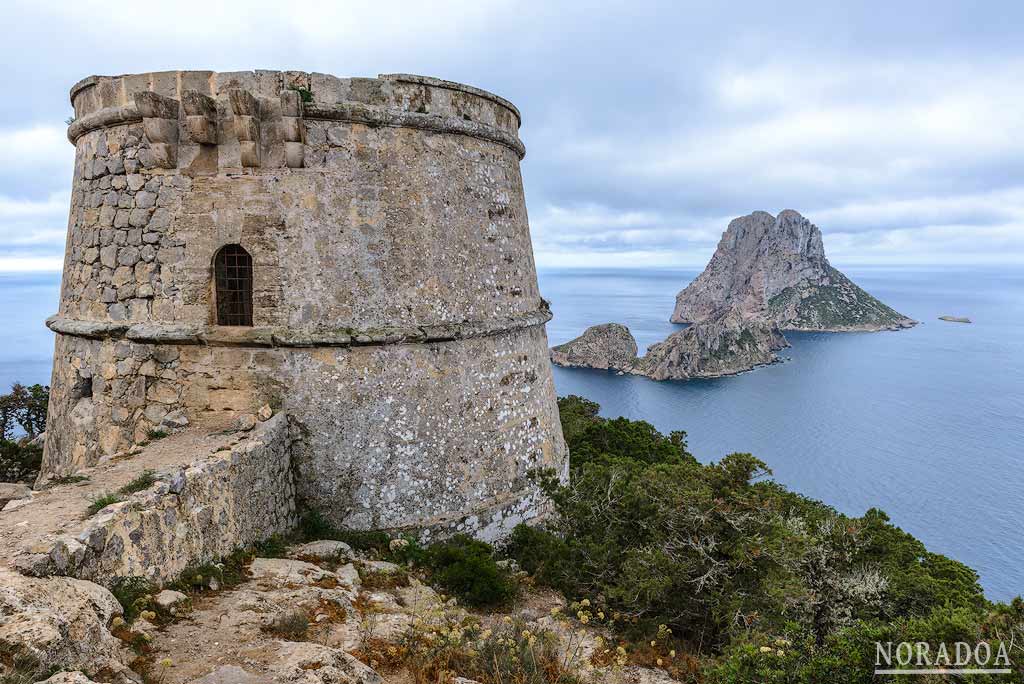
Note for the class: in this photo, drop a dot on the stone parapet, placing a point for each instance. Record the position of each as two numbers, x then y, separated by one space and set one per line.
194 514
408 92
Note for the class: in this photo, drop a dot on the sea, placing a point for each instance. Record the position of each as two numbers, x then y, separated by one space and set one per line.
926 424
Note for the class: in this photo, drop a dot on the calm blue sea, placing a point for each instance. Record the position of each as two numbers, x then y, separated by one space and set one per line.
926 424
26 345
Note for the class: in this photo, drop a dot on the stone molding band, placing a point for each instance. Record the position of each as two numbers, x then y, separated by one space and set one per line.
457 87
103 118
274 336
370 115
350 112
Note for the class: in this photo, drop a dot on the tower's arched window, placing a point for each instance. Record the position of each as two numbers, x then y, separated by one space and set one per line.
232 269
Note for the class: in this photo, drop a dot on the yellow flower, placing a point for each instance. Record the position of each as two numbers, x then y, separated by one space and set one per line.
654 643
600 615
780 653
555 611
672 653
766 649
166 662
585 602
507 620
659 662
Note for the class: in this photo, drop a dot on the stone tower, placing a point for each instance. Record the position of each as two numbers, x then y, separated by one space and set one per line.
352 251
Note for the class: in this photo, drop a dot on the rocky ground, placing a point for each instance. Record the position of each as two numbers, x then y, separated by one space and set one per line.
323 614
313 613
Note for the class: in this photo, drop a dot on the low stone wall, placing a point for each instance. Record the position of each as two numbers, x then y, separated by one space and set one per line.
199 513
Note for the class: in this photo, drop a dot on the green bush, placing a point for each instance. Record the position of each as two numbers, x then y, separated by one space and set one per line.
292 625
133 593
101 502
314 526
19 461
735 564
24 406
145 480
468 569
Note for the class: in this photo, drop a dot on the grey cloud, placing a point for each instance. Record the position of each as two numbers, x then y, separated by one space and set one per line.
648 124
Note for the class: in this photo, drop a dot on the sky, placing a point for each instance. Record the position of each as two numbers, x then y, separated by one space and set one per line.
896 127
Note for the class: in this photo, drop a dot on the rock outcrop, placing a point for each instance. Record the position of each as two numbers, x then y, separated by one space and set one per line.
608 347
725 343
57 622
775 267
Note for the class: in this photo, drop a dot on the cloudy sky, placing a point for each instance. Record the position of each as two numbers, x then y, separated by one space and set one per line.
897 127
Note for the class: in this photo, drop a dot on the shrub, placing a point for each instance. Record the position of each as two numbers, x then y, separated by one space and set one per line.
314 526
383 579
156 434
229 572
290 624
439 646
305 94
25 407
732 563
19 461
275 546
133 593
68 479
18 666
144 481
101 502
467 568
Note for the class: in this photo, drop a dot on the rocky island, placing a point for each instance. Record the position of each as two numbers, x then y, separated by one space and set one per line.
768 274
724 344
609 346
775 267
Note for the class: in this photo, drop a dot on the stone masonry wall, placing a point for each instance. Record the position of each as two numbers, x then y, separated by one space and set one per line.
397 316
198 513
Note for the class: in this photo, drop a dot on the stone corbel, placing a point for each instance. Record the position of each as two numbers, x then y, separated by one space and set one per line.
160 126
200 117
292 129
246 109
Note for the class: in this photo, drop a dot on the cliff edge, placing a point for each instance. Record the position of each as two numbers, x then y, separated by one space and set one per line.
775 266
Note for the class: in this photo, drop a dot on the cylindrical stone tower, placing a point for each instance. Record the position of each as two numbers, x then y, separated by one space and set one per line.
352 251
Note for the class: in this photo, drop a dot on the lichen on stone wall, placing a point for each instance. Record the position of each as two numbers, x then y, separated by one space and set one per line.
396 311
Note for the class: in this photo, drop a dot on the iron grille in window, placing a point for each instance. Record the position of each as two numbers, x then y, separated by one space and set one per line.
233 275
